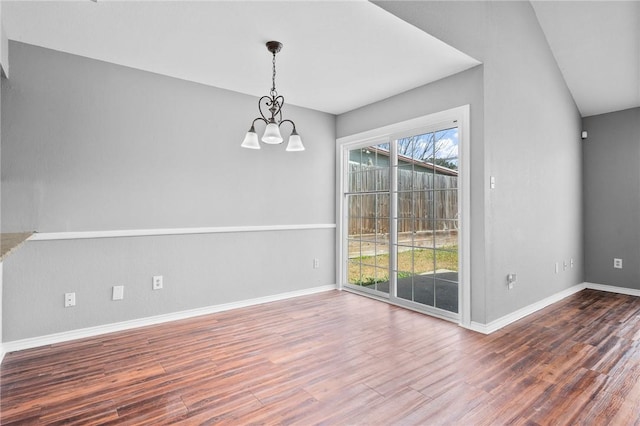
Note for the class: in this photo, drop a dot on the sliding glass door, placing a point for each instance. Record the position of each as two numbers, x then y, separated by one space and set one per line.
401 227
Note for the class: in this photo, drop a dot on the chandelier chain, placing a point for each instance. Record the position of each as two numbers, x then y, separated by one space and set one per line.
273 77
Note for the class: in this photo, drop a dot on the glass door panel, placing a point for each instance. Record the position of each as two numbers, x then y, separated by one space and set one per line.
367 202
426 242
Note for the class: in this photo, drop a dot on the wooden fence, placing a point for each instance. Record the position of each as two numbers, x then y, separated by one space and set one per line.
426 201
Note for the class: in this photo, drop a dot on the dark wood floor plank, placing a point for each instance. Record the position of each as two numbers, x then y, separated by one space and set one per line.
338 358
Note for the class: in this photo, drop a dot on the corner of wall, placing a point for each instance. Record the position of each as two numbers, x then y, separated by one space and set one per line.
1 347
611 200
4 66
517 315
4 48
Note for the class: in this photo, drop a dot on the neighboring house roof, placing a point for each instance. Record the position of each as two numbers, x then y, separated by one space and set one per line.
424 164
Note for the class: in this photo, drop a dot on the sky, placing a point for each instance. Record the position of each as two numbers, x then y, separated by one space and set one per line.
441 144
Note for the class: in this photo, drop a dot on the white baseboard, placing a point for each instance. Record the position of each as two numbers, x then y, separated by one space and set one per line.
613 289
34 342
528 310
523 312
493 326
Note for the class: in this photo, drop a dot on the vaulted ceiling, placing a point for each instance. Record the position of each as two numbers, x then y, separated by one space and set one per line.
597 47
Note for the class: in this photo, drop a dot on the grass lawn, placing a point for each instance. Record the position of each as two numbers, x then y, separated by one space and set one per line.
410 262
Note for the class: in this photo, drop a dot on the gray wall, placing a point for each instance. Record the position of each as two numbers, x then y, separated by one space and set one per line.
1 268
90 146
95 146
198 271
4 66
530 142
612 198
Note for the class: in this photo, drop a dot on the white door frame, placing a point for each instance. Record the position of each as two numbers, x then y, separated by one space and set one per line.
395 131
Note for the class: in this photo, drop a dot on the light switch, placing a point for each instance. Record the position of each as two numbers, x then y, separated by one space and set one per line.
118 292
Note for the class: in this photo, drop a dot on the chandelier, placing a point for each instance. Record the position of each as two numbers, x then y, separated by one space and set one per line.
273 118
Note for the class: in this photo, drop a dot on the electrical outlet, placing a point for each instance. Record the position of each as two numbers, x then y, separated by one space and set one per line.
572 263
511 279
617 263
118 292
564 265
316 263
157 282
69 300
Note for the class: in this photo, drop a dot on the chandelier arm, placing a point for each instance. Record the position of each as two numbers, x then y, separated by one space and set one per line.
253 123
287 120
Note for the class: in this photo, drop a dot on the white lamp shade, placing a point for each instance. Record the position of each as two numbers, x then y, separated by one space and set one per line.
295 143
251 141
272 134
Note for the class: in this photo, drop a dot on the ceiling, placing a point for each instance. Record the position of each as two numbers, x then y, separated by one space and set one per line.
337 55
597 47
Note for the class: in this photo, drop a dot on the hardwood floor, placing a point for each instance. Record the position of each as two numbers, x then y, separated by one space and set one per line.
337 358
